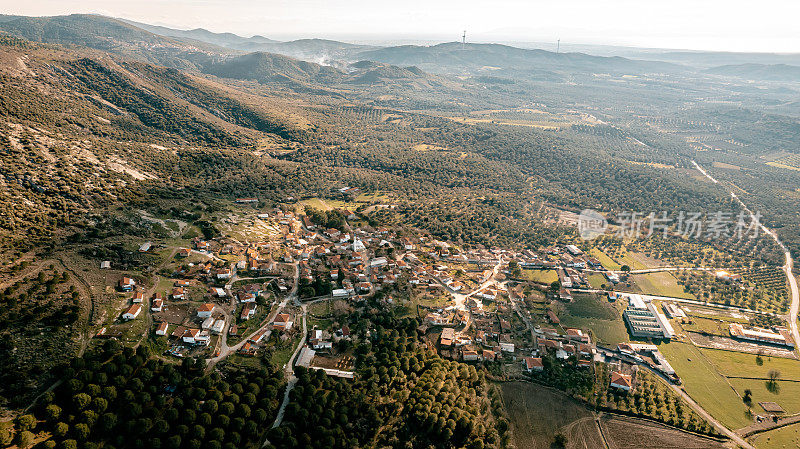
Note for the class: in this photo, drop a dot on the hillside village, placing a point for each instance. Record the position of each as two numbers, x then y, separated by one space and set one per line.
255 297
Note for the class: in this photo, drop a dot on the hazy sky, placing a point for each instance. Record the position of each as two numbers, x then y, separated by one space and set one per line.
734 25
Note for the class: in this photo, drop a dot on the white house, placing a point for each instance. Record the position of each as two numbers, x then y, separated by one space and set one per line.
205 311
283 321
218 326
162 328
621 381
138 296
132 312
533 364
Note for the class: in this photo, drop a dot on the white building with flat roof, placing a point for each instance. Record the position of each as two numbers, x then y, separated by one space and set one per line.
644 320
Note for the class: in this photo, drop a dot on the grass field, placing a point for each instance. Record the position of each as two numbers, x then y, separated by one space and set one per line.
661 284
598 315
609 332
739 364
787 394
784 438
540 276
592 306
705 384
596 280
606 261
708 326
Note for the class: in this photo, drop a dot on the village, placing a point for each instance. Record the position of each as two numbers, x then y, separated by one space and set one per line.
283 293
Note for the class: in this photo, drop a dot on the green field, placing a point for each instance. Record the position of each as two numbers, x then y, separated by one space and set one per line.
609 332
783 438
592 306
708 326
661 284
540 276
597 280
739 364
786 394
595 313
635 263
607 262
705 385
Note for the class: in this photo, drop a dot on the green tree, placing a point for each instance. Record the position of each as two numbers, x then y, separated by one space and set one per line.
24 439
81 400
52 412
81 431
25 422
61 429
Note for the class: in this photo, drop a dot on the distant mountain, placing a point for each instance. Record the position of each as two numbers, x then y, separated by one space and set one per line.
111 35
269 67
454 57
322 51
228 40
375 73
709 59
266 67
761 72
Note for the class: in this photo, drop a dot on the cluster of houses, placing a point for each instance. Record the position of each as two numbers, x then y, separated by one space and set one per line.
574 343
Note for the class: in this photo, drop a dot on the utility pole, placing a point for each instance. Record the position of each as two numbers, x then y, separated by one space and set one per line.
558 46
464 40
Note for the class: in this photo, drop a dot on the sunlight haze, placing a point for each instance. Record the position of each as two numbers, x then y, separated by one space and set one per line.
769 26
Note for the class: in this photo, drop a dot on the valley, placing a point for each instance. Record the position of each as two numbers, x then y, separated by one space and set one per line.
210 239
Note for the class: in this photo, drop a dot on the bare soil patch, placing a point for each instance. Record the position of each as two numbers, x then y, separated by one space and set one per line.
623 432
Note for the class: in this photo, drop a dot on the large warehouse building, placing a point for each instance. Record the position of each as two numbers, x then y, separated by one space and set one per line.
644 320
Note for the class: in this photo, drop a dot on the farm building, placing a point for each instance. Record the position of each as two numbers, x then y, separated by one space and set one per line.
781 337
132 312
644 320
621 381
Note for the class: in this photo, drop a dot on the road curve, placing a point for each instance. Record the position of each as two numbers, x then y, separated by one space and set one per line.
787 267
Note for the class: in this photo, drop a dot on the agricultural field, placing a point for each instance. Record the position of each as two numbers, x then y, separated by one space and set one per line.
607 262
784 393
538 413
622 432
737 364
589 311
705 384
660 284
789 162
784 438
540 276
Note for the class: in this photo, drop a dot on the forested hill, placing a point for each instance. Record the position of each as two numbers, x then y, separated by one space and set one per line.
111 35
229 40
148 130
766 72
456 56
271 67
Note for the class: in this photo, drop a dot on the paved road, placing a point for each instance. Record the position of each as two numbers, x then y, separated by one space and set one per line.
736 438
289 369
225 350
787 267
684 300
